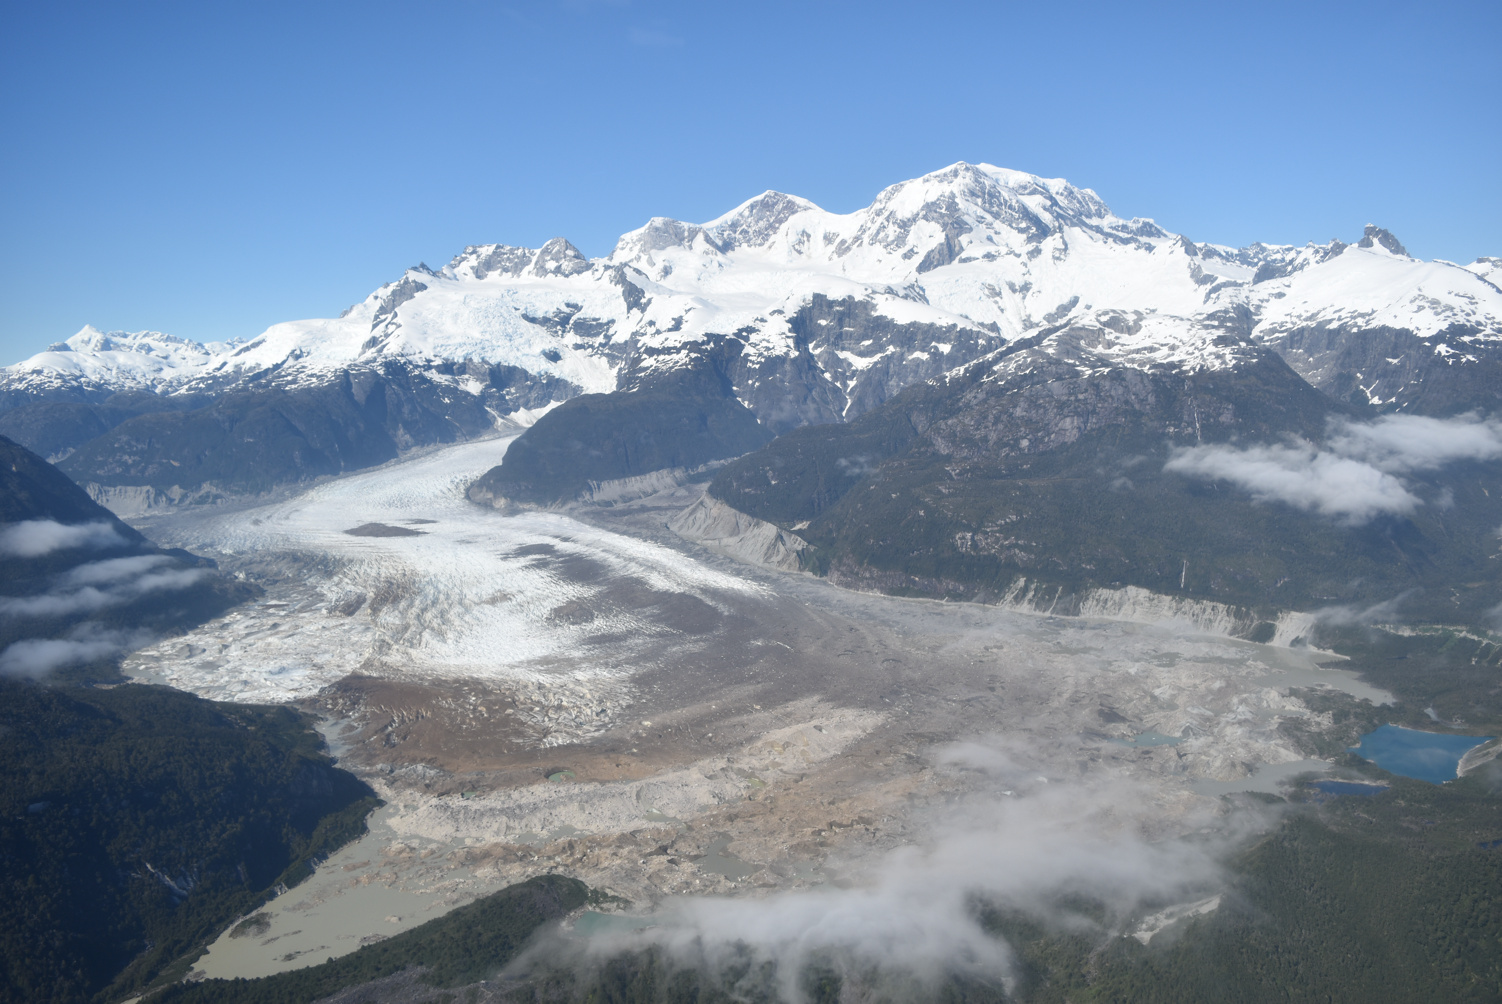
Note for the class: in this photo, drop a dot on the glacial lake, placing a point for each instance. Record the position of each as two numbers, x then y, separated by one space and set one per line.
1427 756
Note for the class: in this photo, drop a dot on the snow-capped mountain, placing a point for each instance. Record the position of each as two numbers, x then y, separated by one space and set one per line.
812 316
95 362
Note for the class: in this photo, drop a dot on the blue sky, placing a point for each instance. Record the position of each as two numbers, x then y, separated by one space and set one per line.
208 169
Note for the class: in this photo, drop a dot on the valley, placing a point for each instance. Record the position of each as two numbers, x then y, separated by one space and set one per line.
948 597
581 690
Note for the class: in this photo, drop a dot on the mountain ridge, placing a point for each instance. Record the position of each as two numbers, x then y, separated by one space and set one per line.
815 316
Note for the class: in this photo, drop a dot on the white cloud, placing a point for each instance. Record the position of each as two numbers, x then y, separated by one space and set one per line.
1403 443
35 657
917 917
1357 474
1376 613
114 569
101 584
35 537
1303 477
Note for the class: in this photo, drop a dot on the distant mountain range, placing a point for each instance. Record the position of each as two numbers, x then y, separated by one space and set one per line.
798 315
985 382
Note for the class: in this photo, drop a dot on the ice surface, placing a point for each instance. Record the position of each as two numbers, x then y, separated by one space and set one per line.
529 597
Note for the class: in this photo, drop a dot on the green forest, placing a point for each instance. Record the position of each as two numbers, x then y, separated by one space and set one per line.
136 822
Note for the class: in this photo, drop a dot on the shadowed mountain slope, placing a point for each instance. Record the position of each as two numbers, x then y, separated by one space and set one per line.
78 586
1045 473
136 822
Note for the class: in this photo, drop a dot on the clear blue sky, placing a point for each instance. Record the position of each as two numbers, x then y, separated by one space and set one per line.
209 168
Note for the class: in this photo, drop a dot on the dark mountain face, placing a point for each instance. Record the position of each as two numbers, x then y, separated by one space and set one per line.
685 421
848 359
56 428
77 586
1051 477
1395 369
137 821
32 489
248 440
684 407
1022 402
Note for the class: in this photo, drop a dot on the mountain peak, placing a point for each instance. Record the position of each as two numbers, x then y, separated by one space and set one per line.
660 233
559 257
151 343
1375 236
976 180
989 252
487 259
756 221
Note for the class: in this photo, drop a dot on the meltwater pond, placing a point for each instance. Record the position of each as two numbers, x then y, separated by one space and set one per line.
1427 756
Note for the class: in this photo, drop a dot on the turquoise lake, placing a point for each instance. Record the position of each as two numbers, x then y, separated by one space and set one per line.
592 923
1428 756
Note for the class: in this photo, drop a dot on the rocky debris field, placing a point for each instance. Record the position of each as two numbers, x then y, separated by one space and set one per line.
714 726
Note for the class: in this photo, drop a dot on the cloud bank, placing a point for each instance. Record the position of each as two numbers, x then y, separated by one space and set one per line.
83 590
1358 474
1403 443
33 538
96 585
1302 476
36 657
1026 849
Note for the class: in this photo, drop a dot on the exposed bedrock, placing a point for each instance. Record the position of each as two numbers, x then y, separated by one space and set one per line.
849 358
1447 373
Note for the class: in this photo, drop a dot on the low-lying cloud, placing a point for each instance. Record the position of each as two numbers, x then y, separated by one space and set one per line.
36 657
855 467
1403 443
33 538
114 570
99 585
1385 612
1024 845
1358 474
96 585
1303 476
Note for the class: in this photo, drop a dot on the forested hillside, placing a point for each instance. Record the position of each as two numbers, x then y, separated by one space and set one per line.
135 822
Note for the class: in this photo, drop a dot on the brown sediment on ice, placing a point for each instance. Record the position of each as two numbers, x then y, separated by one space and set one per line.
384 530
